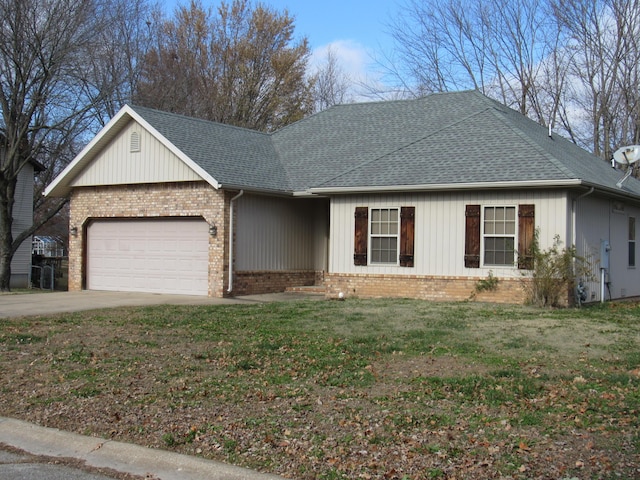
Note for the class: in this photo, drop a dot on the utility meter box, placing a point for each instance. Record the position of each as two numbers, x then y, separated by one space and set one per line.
605 248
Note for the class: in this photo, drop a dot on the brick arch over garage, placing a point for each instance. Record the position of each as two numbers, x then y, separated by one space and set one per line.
186 200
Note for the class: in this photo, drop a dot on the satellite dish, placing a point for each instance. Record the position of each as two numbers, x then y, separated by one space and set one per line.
627 155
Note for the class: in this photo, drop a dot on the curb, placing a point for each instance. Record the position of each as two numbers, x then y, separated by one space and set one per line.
118 456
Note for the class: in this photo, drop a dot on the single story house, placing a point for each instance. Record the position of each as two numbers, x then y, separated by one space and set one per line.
414 198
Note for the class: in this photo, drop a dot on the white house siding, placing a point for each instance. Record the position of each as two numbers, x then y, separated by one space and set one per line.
599 219
439 229
22 219
117 164
280 234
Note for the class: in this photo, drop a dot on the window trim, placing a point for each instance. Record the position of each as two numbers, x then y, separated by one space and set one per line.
397 237
484 236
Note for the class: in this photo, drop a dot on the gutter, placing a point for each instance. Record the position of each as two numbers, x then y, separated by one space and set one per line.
446 186
231 205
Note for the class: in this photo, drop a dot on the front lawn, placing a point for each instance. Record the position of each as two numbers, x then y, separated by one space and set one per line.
354 389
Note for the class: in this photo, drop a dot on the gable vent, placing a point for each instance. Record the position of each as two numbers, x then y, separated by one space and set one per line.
135 142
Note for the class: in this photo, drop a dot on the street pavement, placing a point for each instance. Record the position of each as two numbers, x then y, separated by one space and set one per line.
32 452
22 466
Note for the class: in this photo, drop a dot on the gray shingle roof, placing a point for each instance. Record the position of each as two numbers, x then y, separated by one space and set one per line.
442 139
233 156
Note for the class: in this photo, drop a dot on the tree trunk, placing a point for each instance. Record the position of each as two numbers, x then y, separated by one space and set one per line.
7 195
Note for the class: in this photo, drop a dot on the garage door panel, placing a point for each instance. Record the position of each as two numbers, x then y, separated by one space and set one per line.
158 256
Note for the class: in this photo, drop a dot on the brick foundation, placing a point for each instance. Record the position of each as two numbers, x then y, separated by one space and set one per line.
509 290
255 283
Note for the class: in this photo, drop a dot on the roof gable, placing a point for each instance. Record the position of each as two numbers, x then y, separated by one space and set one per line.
61 185
120 163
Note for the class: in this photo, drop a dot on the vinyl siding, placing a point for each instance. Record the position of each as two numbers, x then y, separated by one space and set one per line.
277 234
117 164
600 219
439 229
22 219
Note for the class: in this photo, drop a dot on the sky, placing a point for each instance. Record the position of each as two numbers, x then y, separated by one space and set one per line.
355 30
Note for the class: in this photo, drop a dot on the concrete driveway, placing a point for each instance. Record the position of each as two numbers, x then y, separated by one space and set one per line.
18 305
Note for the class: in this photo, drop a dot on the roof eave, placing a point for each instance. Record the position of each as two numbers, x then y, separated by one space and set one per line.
447 186
620 193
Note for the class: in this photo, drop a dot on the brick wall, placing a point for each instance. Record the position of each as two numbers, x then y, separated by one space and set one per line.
254 283
422 287
186 199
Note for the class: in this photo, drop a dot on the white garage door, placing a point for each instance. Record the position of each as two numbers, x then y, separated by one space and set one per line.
157 256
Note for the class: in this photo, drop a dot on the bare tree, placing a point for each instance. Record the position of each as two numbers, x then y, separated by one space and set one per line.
493 46
238 66
331 83
570 63
49 96
602 36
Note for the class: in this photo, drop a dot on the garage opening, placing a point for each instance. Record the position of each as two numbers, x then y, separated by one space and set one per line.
148 255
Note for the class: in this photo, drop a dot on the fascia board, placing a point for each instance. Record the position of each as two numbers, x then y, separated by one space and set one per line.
175 150
446 186
59 186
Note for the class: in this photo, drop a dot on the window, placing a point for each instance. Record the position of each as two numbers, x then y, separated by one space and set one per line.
384 235
632 241
499 235
496 231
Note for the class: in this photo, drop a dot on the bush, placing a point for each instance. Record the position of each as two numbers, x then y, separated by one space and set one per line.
553 274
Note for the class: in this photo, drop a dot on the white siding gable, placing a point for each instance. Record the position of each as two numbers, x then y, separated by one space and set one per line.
134 156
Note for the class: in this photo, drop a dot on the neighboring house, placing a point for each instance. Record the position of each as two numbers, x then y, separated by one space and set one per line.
417 198
46 246
23 219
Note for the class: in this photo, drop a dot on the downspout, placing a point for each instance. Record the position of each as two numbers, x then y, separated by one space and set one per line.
230 288
574 207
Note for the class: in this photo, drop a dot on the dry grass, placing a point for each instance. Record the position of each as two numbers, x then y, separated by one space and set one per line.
354 389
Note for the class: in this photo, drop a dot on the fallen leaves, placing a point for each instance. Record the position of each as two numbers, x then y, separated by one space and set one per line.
309 405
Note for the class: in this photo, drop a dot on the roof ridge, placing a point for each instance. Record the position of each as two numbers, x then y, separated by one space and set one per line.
527 138
407 145
199 120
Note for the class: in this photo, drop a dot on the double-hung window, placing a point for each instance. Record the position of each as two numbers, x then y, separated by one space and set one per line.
502 235
499 234
384 235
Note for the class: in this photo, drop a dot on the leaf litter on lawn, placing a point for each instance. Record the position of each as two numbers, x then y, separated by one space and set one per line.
354 389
